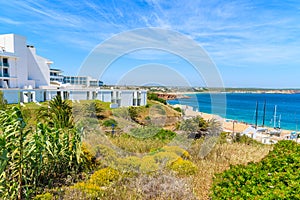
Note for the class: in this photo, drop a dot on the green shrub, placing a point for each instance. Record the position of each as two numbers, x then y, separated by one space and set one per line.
145 132
275 177
104 177
133 113
106 154
147 118
88 157
245 139
163 134
183 167
110 123
165 157
94 187
179 151
129 164
154 97
46 196
83 190
148 164
223 137
177 109
152 132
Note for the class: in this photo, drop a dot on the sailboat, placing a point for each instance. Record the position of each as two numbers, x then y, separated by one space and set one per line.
253 130
276 123
262 128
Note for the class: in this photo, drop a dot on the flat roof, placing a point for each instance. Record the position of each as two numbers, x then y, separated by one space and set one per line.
51 69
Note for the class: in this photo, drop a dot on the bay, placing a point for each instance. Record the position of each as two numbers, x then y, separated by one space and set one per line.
242 106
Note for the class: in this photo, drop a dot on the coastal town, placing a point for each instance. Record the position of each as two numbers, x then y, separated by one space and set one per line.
149 100
27 77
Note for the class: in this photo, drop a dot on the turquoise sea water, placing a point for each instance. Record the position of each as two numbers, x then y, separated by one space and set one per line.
242 106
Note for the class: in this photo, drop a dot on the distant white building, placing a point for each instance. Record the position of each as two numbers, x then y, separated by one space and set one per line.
56 77
27 77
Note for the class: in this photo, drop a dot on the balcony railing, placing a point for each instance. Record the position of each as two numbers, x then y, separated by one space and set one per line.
4 75
4 64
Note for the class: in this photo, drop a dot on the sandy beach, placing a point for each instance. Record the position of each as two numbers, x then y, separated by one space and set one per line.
228 125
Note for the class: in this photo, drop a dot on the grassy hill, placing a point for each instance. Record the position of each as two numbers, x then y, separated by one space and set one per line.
137 153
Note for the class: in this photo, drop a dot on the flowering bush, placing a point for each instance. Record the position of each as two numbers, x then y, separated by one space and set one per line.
104 177
183 167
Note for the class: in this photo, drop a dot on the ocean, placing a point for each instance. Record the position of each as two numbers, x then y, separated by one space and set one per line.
242 107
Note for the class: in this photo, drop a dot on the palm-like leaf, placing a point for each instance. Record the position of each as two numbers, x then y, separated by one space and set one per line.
58 114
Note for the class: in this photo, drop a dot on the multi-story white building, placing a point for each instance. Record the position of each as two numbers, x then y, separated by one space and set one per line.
20 66
27 77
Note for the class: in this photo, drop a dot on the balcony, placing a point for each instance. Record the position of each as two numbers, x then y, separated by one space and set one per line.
4 75
4 64
57 78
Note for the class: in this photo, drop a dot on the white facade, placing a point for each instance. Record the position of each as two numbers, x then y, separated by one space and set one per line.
20 66
85 81
119 98
25 77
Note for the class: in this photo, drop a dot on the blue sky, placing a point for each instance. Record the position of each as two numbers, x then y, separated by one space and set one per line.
253 43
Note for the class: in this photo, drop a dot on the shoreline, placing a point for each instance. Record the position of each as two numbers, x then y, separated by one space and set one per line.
231 126
232 92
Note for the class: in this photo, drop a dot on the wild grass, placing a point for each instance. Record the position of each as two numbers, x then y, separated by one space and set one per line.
134 145
220 159
189 177
200 181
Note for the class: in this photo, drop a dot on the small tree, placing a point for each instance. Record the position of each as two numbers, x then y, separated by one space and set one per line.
195 126
133 113
58 113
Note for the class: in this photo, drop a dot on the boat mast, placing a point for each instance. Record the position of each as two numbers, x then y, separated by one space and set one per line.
256 115
275 108
264 116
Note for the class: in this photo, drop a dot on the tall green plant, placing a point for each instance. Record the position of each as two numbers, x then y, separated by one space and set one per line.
32 159
3 101
58 114
14 154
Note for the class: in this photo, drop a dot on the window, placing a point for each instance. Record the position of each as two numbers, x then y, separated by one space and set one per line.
5 72
5 62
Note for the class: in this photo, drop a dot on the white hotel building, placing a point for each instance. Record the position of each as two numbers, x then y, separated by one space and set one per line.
27 77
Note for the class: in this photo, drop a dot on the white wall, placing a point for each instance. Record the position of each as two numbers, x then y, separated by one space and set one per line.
12 96
127 98
20 51
7 41
104 95
144 98
38 69
39 95
16 46
26 68
78 95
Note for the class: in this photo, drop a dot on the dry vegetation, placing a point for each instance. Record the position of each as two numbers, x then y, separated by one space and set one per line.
220 159
198 185
130 167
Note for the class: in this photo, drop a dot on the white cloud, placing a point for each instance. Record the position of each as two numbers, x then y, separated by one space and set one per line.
9 21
